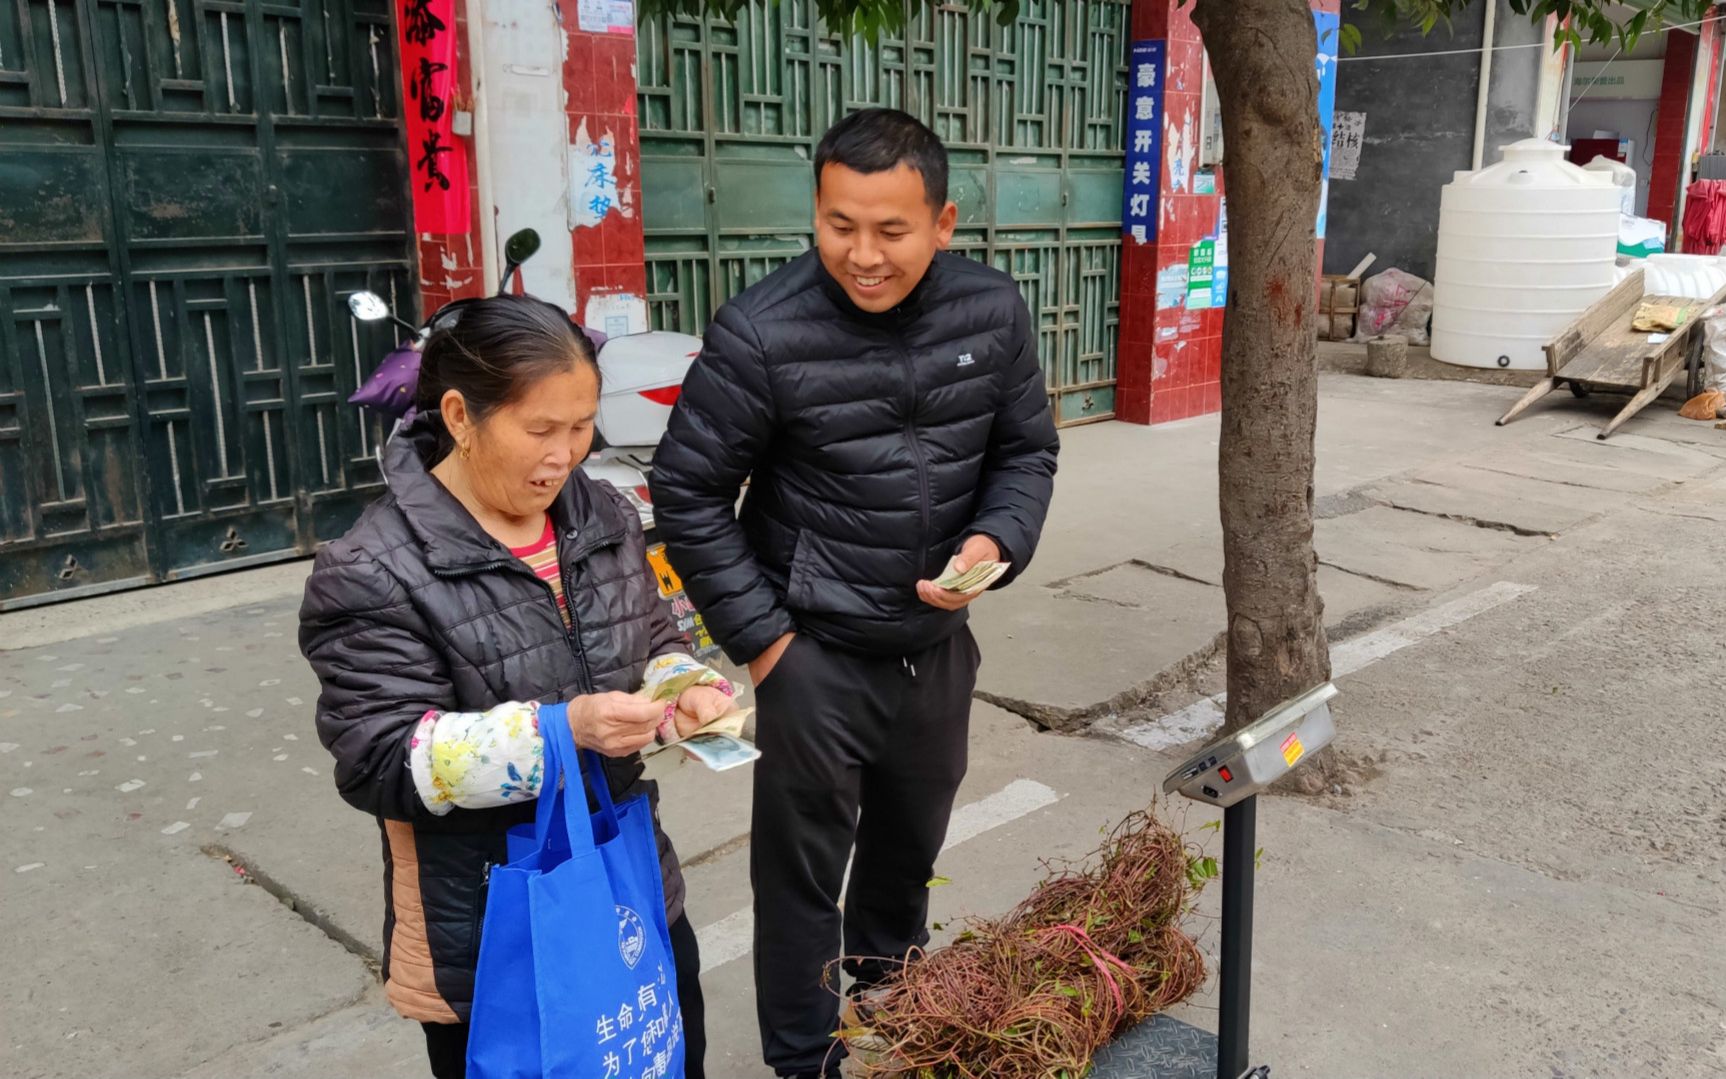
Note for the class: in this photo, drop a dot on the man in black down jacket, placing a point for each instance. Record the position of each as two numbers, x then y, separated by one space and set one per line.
887 400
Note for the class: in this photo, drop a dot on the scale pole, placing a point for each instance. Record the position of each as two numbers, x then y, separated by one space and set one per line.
1240 842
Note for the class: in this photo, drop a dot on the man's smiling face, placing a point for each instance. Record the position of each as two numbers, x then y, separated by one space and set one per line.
877 232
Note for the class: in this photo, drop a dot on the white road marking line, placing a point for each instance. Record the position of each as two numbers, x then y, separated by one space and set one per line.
1202 717
733 936
1015 800
1352 655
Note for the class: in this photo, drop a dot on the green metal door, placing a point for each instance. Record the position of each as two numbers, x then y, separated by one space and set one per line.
189 189
730 114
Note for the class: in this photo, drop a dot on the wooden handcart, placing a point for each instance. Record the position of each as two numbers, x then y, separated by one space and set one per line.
1599 351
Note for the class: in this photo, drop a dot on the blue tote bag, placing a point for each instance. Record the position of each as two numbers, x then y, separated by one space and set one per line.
576 978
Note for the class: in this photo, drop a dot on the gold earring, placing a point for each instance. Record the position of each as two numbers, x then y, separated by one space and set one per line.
465 451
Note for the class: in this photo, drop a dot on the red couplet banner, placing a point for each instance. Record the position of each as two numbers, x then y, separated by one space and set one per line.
438 161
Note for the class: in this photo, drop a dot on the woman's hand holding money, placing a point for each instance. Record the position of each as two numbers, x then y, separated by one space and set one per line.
615 724
698 706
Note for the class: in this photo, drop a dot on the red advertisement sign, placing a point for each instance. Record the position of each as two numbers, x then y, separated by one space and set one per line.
437 160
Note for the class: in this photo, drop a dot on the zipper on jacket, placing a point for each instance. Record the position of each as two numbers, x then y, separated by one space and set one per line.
569 630
479 901
916 454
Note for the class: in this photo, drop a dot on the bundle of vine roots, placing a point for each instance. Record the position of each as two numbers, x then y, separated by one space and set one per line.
1035 994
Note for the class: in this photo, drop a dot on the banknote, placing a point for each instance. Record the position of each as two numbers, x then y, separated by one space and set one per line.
720 752
728 727
973 580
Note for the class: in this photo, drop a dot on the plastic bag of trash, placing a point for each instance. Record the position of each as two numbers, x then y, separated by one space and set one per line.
1395 302
1623 177
1714 348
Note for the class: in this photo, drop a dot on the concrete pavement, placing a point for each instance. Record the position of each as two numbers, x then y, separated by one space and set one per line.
1526 878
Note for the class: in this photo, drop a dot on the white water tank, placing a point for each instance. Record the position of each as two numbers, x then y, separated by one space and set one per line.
1524 246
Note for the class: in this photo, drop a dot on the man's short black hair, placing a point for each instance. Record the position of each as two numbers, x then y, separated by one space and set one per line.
880 140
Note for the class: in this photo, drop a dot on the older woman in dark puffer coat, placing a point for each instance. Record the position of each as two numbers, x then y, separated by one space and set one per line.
492 577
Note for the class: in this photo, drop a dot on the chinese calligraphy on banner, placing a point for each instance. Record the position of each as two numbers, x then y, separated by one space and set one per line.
1144 142
438 171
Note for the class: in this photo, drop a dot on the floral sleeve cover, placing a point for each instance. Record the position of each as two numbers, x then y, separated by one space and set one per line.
478 760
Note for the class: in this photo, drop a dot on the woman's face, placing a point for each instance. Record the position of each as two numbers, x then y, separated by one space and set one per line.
520 456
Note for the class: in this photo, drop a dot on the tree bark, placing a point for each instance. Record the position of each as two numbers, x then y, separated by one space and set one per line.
1262 54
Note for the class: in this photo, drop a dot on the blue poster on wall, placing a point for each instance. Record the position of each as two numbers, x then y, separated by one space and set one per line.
1329 26
1144 162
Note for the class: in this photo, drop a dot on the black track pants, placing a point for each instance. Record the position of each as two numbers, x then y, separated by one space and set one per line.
858 752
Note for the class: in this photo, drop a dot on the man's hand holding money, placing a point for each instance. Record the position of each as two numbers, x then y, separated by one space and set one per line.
977 566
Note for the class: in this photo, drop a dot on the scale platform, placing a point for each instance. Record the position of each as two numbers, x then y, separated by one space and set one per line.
1159 1048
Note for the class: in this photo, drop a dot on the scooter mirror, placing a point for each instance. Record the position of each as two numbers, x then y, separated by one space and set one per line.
516 250
521 246
368 306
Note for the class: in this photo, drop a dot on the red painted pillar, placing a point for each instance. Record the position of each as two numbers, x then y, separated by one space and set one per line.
1669 127
1133 354
1169 358
1712 42
1186 361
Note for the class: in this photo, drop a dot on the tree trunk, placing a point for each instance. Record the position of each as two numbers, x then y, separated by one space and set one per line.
1262 53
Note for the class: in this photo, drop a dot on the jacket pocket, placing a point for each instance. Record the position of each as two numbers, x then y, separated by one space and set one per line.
796 588
824 580
797 640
